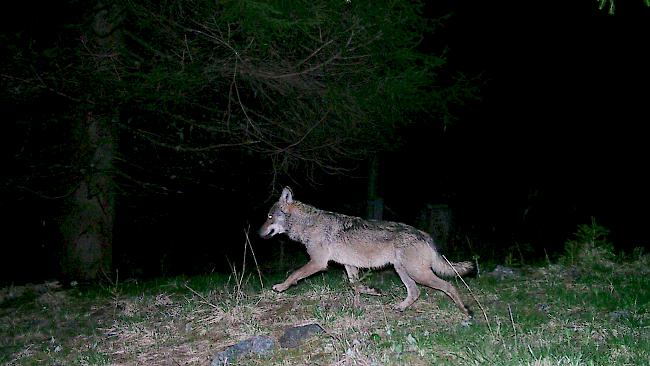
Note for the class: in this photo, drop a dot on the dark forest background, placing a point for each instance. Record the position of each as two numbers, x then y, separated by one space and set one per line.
151 137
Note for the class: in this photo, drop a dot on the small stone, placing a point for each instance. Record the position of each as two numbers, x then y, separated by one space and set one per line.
259 345
295 336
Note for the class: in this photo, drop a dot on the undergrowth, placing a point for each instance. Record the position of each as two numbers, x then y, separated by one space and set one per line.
589 308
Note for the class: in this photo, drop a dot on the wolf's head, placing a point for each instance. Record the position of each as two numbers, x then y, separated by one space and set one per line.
276 221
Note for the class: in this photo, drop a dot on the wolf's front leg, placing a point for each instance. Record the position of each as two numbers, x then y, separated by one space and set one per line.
305 271
353 276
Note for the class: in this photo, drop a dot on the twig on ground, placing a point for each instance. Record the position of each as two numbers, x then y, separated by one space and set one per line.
206 301
512 321
471 293
257 267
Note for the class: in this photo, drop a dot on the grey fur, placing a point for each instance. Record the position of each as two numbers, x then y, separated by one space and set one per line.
358 243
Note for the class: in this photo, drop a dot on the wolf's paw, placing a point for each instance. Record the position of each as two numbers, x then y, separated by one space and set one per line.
279 287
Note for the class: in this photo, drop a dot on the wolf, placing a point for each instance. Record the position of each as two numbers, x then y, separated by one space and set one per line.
357 243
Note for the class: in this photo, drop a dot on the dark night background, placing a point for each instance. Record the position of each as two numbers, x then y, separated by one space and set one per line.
559 136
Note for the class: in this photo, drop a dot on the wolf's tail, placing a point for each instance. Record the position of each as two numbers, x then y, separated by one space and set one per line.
441 267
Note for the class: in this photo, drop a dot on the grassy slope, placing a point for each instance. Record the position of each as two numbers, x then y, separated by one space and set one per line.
595 313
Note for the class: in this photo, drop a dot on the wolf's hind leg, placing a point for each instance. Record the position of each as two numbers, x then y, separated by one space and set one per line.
411 288
305 271
428 278
353 276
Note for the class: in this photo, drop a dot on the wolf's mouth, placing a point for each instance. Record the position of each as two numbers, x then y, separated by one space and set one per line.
267 235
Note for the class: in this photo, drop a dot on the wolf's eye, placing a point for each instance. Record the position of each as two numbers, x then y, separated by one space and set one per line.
270 216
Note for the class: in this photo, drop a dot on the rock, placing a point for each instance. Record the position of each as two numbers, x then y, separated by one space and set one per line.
619 314
543 307
295 336
502 272
574 273
259 345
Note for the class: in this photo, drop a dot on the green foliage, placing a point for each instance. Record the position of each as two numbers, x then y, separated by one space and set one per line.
589 244
310 83
551 315
611 5
517 253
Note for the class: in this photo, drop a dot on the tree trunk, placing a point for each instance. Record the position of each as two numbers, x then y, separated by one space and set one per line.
438 220
375 209
87 227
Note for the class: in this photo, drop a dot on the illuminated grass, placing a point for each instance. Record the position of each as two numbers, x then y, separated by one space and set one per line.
594 313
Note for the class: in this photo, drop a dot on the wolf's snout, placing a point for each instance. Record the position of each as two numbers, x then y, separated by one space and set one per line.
266 232
271 229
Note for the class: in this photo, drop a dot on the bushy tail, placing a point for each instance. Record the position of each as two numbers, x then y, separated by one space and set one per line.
441 267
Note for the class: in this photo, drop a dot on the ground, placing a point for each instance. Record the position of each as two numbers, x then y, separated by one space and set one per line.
591 312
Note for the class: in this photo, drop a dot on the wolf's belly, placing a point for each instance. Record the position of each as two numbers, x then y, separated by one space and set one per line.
363 256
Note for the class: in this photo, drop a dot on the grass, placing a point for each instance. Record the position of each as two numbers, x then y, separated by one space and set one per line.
594 312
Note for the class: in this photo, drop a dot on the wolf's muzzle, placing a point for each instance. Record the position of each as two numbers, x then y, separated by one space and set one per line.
266 232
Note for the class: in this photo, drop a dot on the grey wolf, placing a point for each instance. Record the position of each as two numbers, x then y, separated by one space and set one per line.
357 243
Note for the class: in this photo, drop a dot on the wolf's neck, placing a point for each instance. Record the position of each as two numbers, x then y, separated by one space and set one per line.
302 221
304 211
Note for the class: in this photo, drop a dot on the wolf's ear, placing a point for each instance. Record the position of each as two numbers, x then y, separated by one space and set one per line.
287 195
